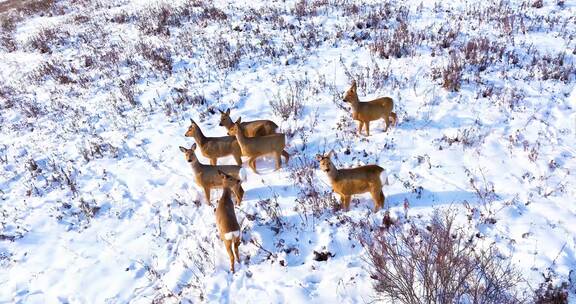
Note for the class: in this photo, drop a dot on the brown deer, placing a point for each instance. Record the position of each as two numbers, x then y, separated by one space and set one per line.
207 175
346 182
215 147
226 218
251 128
367 111
255 147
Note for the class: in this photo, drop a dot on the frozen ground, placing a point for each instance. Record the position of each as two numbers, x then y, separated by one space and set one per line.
99 205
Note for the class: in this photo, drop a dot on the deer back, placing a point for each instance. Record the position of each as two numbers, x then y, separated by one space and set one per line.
225 215
259 128
215 147
207 175
255 146
357 180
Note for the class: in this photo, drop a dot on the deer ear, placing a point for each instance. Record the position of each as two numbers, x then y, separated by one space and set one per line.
239 120
319 156
182 149
228 111
330 154
193 147
221 112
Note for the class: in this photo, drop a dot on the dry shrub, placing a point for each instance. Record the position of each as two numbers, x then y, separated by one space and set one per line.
400 43
160 57
548 293
452 73
482 52
312 200
291 103
437 263
223 53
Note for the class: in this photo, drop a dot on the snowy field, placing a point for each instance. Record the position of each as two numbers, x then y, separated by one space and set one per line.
98 205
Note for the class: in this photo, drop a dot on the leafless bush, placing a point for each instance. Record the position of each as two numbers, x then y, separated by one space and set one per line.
401 42
437 262
160 56
56 68
447 35
482 52
272 213
39 6
548 293
553 67
467 137
312 200
223 53
12 226
213 13
98 148
7 28
486 194
290 104
452 73
76 214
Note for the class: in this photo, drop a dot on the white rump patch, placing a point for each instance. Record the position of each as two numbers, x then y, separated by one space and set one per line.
242 174
230 235
384 178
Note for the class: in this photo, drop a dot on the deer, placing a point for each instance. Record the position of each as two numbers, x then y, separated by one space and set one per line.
347 182
215 147
226 221
207 175
367 111
254 147
251 128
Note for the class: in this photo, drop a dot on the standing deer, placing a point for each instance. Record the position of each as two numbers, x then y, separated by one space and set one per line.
207 175
226 218
251 128
347 182
255 147
367 111
215 147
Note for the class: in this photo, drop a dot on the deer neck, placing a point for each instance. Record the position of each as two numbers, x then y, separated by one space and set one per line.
333 172
226 195
354 101
240 136
199 136
196 165
228 123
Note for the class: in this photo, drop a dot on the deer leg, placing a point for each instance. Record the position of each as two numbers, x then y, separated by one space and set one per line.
236 244
228 245
360 125
207 193
286 156
346 202
378 197
387 121
277 156
252 164
213 161
238 158
367 124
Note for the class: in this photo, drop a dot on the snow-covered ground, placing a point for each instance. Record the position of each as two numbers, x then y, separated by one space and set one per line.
99 205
